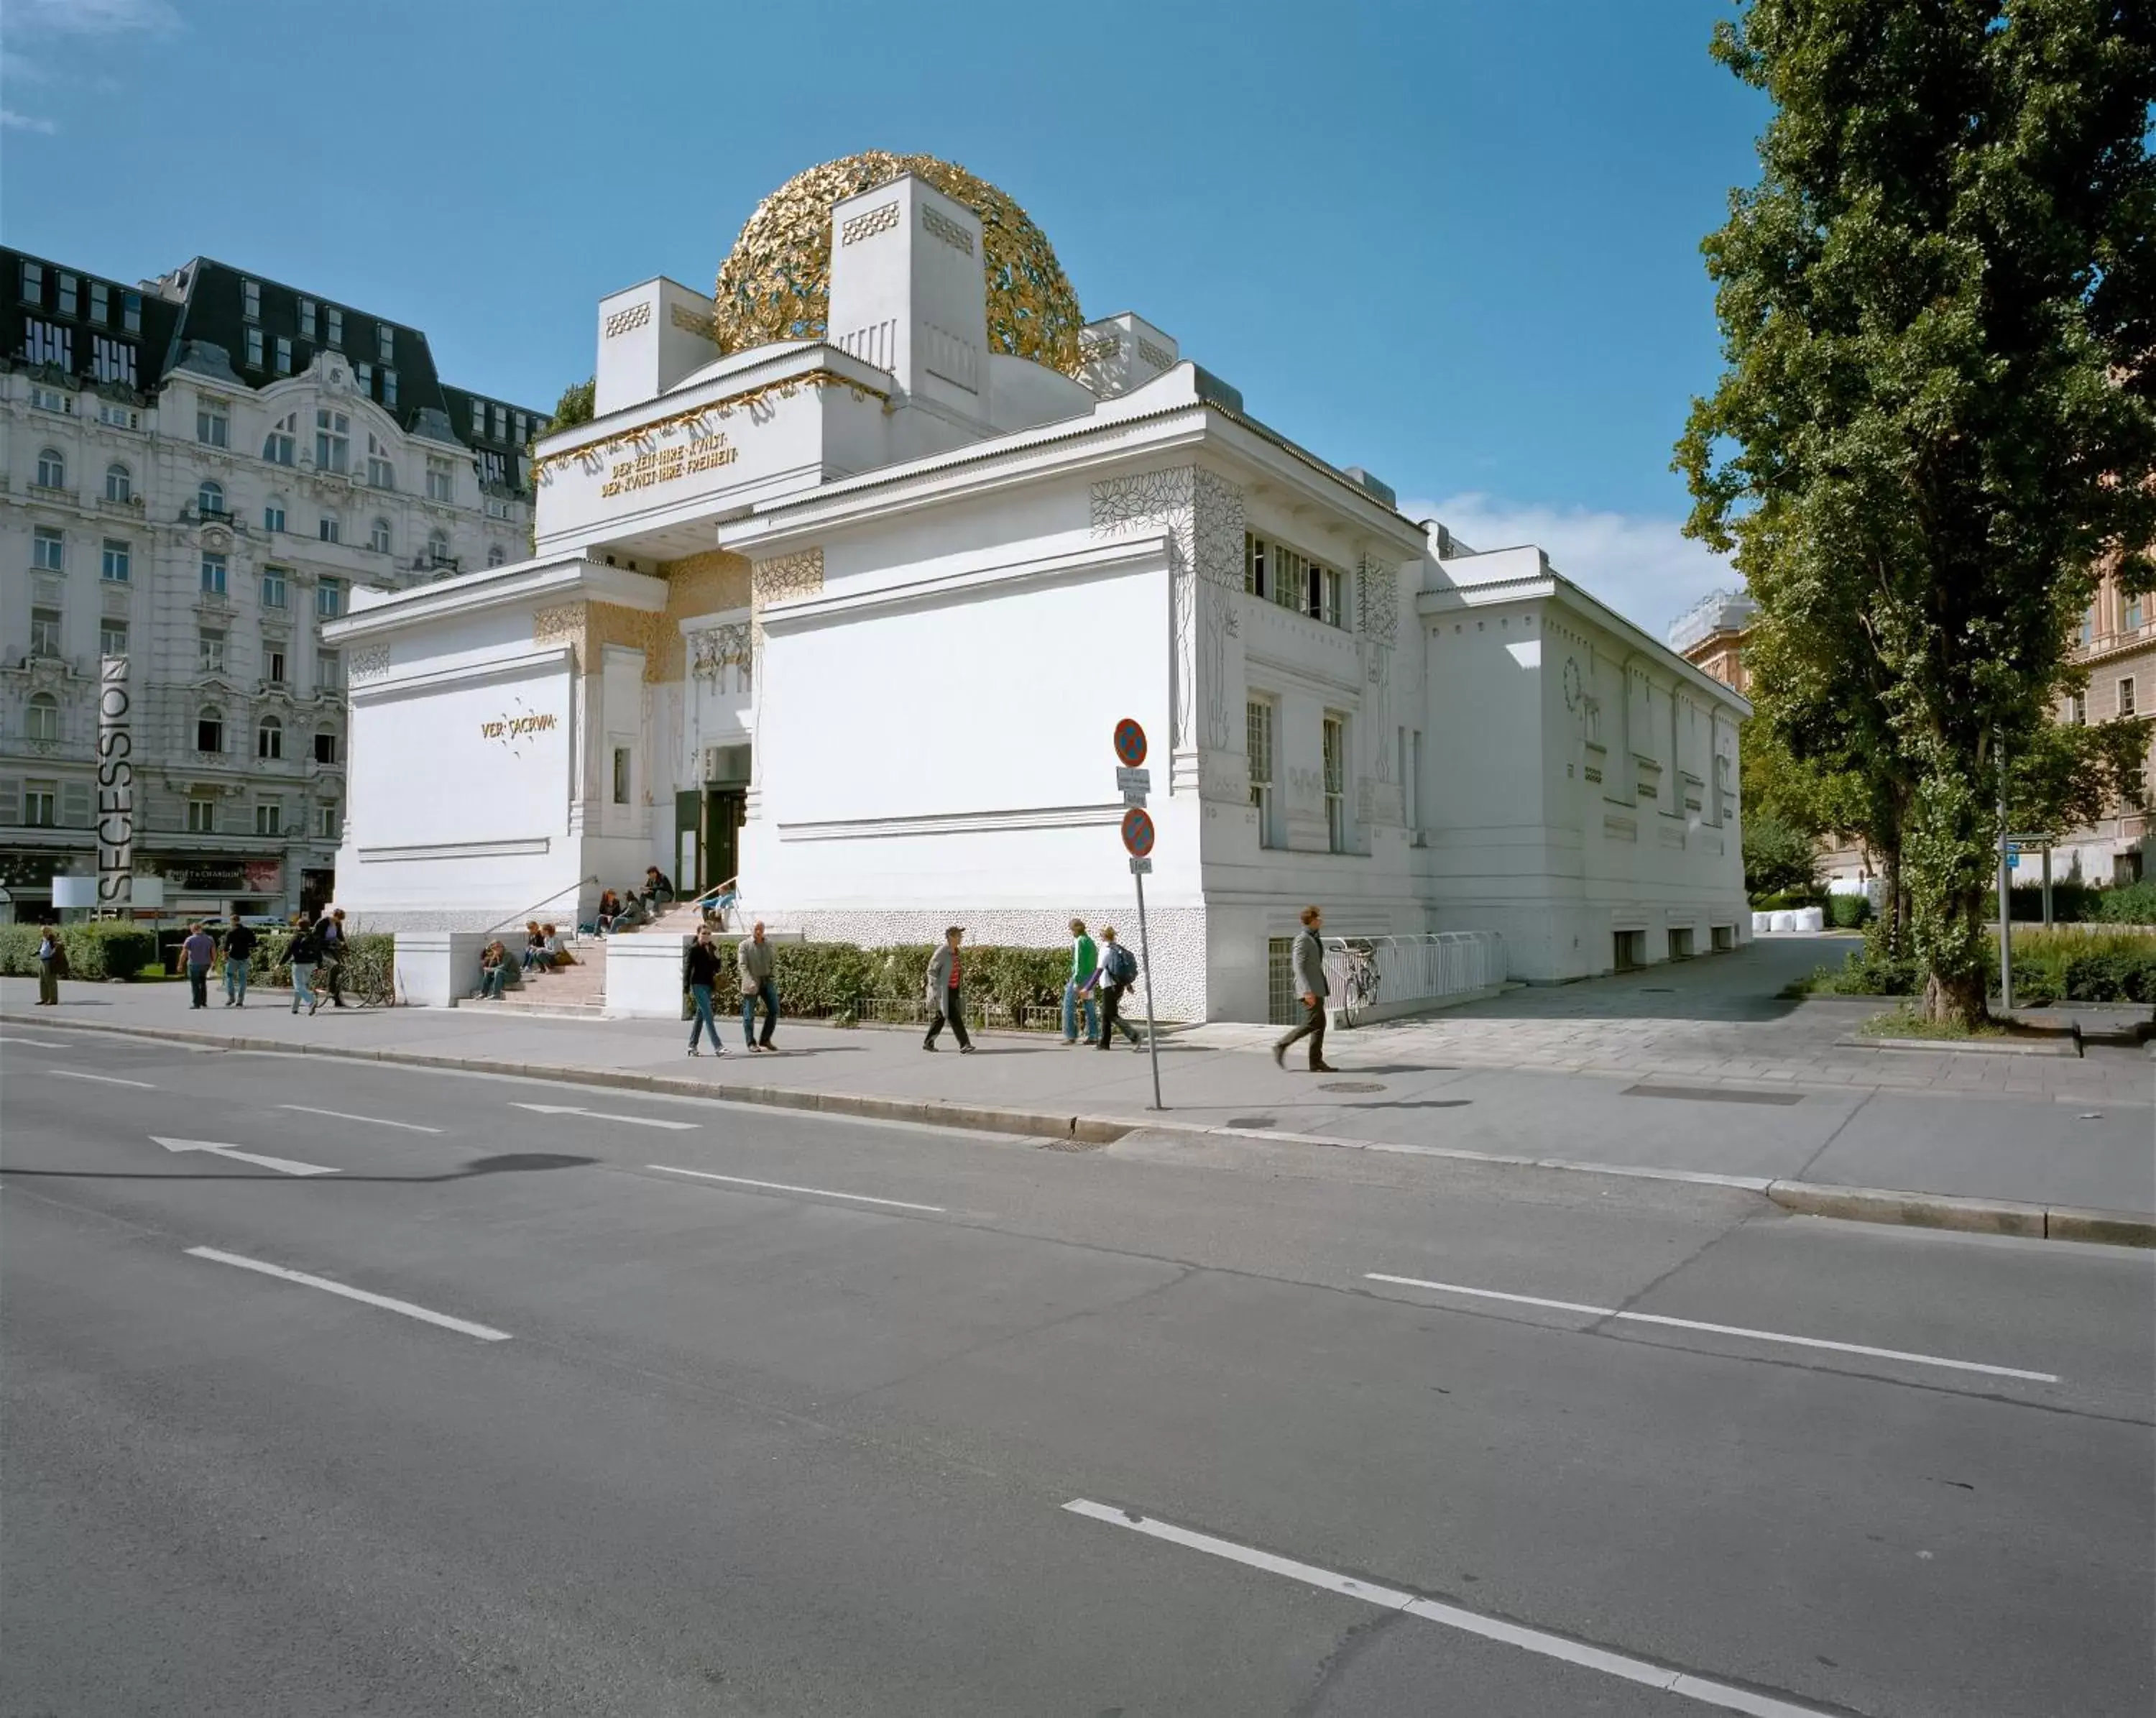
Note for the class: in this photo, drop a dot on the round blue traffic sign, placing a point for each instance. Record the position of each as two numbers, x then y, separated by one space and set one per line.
1138 828
1130 743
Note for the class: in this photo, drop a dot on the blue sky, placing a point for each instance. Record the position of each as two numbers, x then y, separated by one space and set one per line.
1455 242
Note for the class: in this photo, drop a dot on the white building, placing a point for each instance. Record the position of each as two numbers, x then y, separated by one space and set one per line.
852 615
195 472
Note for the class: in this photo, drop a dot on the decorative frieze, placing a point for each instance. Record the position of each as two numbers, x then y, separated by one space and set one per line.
785 577
871 222
628 321
367 662
942 226
715 648
689 321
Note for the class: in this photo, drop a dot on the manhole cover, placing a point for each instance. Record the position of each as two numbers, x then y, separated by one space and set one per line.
1072 1145
1351 1086
1658 990
1253 1121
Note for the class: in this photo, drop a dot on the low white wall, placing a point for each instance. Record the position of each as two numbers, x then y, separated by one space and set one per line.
438 969
644 976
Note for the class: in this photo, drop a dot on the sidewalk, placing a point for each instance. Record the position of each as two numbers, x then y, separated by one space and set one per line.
1719 1080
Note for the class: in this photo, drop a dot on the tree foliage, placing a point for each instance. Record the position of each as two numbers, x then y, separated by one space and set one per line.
1938 411
574 407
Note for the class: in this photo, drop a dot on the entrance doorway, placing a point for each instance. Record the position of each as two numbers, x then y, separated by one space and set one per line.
707 836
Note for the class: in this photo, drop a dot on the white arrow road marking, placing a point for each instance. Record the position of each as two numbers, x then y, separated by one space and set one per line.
380 1121
283 1165
1641 1318
1727 1695
69 1074
633 1121
781 1187
483 1332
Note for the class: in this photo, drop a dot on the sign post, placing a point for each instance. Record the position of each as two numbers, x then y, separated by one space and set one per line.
1135 781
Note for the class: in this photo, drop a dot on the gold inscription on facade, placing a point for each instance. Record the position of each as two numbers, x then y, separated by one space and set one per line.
704 453
517 727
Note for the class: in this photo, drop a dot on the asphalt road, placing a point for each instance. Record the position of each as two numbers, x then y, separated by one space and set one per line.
674 1407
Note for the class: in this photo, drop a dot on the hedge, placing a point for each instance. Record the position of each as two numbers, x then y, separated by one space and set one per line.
101 948
1848 911
369 960
845 981
2061 965
2128 903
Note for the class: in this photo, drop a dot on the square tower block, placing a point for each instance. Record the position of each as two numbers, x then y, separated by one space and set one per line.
909 292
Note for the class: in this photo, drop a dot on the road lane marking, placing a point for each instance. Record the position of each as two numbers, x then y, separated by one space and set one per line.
1641 1318
481 1331
69 1074
633 1121
283 1165
1704 1689
379 1121
783 1187
42 1043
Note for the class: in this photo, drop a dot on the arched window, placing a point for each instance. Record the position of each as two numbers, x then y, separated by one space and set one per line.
438 548
282 443
43 720
377 538
52 469
273 514
209 499
495 557
269 738
119 484
380 473
209 729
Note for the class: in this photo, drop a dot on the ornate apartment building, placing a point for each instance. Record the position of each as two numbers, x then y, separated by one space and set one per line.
195 473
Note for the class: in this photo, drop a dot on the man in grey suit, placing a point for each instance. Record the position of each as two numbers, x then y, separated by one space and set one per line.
1307 958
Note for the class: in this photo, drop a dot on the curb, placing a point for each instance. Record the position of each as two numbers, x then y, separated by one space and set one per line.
2063 1046
1871 1204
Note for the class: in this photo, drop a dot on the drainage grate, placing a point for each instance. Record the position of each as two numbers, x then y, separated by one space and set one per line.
1712 1094
1072 1145
1253 1121
1351 1086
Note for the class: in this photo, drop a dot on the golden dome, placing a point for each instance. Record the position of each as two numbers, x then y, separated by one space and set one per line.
775 283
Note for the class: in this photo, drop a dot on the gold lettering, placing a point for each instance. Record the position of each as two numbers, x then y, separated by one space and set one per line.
704 453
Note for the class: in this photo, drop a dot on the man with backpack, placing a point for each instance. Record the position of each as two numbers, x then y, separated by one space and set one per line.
1118 972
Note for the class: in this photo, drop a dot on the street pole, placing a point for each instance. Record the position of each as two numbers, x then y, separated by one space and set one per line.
1145 963
2047 885
2005 893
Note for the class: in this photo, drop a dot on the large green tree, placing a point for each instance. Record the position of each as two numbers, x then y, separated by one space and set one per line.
1936 417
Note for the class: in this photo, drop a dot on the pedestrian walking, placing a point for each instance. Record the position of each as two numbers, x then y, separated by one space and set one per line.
305 953
1078 987
239 953
52 961
699 972
1307 960
196 954
330 934
1119 971
758 961
946 1001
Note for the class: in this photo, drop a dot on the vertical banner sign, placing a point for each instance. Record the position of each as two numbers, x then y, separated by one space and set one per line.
115 784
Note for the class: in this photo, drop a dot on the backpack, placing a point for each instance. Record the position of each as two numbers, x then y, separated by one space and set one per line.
1119 965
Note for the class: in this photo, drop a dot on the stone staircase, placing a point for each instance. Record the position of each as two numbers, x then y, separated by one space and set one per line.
576 992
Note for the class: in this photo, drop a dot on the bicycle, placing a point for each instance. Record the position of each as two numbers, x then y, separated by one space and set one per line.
1358 987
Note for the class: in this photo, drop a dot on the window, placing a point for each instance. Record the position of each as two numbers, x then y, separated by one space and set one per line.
329 529
118 562
284 355
42 720
335 318
39 803
495 557
130 312
493 467
281 444
209 654
307 319
269 739
44 632
385 342
49 549
120 417
47 343
273 587
501 423
100 301
326 747
621 771
389 388
250 300
1328 594
1258 728
112 360
112 638
254 348
202 816
523 428
269 818
209 729
52 469
273 662
441 479
2088 625
214 421
2077 710
2126 695
209 500
273 514
438 548
1285 576
478 419
119 484
377 537
329 599
68 300
33 284
332 441
364 374
2134 614
380 473
51 399
1335 751
329 671
326 823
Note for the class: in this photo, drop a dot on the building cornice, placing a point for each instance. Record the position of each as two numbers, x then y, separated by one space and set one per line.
570 579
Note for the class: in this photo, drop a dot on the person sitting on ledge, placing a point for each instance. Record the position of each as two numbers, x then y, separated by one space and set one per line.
631 913
493 972
555 954
535 945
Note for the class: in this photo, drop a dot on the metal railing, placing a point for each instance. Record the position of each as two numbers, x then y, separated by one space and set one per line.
1371 976
524 915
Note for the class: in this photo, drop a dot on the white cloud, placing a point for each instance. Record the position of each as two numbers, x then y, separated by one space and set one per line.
13 121
1642 566
92 17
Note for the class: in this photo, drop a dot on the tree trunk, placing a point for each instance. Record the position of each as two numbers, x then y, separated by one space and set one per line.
1958 1000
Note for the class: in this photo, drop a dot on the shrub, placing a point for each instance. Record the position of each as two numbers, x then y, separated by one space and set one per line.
834 979
1789 900
2125 974
369 960
2072 902
2128 903
1848 911
102 949
19 950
